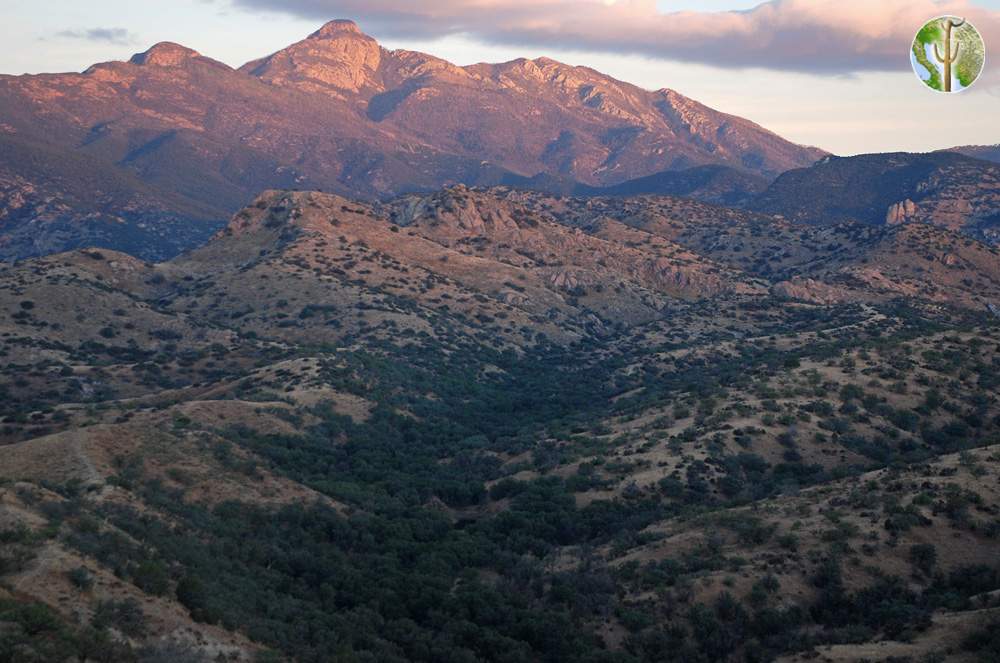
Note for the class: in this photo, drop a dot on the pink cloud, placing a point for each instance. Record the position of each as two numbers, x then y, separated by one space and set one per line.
831 36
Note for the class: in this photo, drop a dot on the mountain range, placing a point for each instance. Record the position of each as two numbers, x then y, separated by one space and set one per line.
171 143
153 155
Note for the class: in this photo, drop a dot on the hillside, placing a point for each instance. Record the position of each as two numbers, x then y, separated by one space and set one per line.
501 425
984 152
52 200
940 188
721 185
175 136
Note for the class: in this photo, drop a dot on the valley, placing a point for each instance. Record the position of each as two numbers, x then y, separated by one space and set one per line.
493 424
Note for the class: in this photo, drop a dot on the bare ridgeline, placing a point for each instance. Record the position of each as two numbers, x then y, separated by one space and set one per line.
653 385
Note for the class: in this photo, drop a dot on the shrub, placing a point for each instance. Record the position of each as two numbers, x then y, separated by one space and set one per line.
81 578
151 577
923 556
125 616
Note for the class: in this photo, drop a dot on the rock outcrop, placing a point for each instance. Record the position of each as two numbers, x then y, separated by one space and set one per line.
901 212
164 54
810 290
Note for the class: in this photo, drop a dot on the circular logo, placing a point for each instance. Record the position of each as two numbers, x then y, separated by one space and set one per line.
948 54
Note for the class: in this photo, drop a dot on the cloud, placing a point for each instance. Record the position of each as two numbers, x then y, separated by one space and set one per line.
823 36
116 36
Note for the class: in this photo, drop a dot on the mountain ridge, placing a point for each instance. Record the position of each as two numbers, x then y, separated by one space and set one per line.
984 152
946 189
338 112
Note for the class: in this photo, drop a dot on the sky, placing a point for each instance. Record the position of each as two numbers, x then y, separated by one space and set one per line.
830 73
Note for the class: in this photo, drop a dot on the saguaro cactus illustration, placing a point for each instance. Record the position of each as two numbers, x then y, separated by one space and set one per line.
949 55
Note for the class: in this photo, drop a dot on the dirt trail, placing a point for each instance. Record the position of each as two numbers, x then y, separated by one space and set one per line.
90 473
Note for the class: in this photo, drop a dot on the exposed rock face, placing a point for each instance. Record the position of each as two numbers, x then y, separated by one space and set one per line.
487 224
809 290
901 212
336 59
164 54
336 28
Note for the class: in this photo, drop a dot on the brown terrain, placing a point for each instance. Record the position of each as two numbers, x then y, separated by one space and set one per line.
788 411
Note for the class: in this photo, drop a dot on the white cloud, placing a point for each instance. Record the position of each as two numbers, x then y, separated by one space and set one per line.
116 36
829 36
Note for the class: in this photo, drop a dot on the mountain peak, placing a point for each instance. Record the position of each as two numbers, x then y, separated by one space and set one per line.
164 54
336 28
335 59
